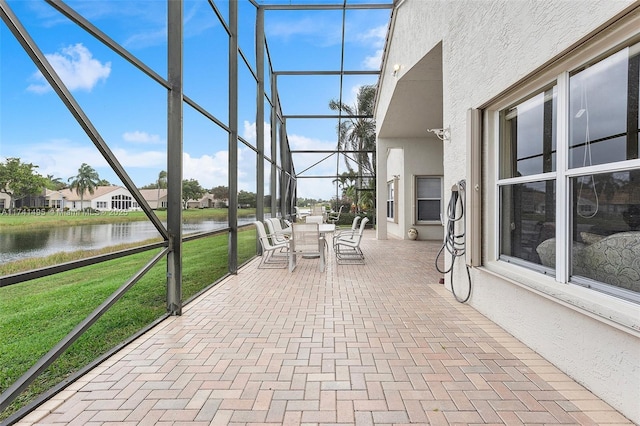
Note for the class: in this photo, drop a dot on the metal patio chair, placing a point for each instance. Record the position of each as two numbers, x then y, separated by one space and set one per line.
275 230
347 247
334 217
274 254
348 232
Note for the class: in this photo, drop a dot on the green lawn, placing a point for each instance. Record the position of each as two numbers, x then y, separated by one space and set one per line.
37 314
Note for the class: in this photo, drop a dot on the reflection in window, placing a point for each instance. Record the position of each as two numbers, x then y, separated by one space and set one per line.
602 207
429 198
528 143
604 110
606 228
528 222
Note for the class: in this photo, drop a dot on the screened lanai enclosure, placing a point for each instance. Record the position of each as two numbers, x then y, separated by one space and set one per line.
260 98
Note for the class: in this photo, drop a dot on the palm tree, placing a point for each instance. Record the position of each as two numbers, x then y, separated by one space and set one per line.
87 179
357 130
54 183
344 180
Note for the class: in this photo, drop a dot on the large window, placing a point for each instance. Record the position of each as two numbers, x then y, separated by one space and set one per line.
428 199
595 224
120 202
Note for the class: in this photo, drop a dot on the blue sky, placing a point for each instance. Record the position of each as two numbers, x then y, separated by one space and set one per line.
129 109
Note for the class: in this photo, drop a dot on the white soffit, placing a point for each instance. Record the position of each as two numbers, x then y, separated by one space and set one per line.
416 103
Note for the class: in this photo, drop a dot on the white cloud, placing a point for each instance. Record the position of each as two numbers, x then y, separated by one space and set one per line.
62 158
142 159
299 142
140 137
76 67
376 38
307 188
321 32
147 38
209 171
373 62
249 133
57 157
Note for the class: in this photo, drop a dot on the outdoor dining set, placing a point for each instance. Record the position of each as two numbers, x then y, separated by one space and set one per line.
283 242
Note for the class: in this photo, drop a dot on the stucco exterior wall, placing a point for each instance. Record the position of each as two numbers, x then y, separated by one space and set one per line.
419 157
487 46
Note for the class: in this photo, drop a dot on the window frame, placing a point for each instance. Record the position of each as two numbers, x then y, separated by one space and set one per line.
562 175
417 204
391 201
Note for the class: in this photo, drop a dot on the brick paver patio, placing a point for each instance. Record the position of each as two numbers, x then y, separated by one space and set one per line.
381 343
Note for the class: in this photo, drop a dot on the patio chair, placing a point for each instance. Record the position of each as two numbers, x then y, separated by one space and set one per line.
274 254
350 232
347 247
275 230
306 242
301 213
334 217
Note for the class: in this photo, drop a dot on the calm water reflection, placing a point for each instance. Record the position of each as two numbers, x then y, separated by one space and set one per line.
24 244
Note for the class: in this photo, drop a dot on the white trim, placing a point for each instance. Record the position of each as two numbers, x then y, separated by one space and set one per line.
496 188
541 177
562 183
620 166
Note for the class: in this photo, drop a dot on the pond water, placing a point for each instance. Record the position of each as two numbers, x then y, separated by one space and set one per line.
24 244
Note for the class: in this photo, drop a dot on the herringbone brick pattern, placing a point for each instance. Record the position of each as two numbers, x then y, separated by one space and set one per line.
381 343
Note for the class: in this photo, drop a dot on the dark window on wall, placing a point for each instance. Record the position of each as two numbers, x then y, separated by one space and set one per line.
428 199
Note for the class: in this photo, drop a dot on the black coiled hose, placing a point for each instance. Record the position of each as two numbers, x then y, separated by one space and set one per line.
454 243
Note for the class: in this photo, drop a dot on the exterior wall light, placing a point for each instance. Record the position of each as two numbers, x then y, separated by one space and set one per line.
396 68
442 134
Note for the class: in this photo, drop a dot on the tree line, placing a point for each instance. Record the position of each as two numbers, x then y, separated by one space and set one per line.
20 179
